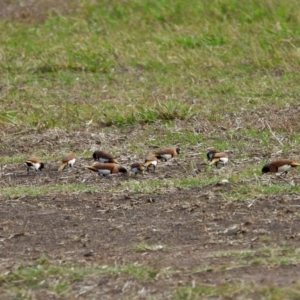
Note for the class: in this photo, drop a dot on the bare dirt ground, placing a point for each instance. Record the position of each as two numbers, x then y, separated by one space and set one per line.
190 227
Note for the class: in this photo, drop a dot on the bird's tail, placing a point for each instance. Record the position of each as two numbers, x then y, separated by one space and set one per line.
92 168
295 164
214 160
147 163
62 166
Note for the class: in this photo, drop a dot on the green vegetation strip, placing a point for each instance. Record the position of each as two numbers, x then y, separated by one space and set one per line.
19 191
59 278
268 257
239 191
238 291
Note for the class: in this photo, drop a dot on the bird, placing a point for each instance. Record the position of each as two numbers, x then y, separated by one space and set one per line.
137 168
106 169
104 157
34 163
151 161
68 160
216 157
166 154
282 166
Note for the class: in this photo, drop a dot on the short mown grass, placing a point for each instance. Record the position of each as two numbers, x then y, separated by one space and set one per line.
125 64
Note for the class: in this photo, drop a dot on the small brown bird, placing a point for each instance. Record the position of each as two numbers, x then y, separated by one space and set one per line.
35 164
137 168
106 169
68 160
166 154
282 166
216 157
104 157
151 161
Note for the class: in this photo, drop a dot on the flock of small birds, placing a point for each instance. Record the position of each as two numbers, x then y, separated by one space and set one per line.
106 164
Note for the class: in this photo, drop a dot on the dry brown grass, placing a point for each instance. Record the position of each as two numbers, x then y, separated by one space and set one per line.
31 11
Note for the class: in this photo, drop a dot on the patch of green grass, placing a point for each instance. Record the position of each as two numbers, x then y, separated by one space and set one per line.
142 273
237 290
204 268
15 192
145 113
144 247
144 63
248 191
173 138
271 257
265 239
149 186
13 160
197 181
59 278
208 292
157 185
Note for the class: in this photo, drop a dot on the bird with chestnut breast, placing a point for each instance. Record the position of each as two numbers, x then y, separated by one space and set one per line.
68 160
34 163
217 157
167 153
137 168
151 162
104 157
107 169
282 165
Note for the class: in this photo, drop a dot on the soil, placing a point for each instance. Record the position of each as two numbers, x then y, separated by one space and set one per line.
190 227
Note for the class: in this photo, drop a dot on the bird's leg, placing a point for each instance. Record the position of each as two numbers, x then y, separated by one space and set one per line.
178 164
284 178
285 173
